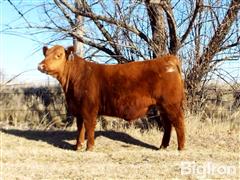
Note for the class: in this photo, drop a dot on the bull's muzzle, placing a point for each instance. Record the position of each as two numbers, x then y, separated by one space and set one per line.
41 67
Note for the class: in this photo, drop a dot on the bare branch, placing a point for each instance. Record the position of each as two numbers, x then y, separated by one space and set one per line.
214 45
202 65
105 33
174 41
110 20
98 46
20 13
237 43
51 20
190 25
66 15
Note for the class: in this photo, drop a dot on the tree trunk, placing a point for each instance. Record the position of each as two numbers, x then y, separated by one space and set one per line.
159 36
78 46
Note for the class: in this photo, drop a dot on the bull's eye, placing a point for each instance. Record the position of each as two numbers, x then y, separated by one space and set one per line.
58 55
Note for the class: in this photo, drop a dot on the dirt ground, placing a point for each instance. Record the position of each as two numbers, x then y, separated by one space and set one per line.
212 152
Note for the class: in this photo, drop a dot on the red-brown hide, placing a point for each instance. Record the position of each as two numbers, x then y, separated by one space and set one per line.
124 90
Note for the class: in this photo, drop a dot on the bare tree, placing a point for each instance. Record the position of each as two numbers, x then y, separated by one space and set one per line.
218 43
202 33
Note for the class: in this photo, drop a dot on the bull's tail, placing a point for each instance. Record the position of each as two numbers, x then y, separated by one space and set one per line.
184 100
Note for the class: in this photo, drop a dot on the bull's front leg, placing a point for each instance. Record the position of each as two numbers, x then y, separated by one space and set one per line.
80 133
90 124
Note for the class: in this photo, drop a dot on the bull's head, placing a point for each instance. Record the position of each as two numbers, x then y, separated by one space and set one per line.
55 59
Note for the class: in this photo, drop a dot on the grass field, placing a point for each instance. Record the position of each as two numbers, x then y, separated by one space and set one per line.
212 149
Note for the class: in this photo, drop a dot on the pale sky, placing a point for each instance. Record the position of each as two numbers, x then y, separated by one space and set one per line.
18 54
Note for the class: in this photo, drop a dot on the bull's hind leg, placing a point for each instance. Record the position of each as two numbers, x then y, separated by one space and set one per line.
179 126
175 116
167 126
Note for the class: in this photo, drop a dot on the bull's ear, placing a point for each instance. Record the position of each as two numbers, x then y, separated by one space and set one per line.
45 48
69 52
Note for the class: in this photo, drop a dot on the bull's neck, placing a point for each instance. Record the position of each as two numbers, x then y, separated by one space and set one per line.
69 74
64 77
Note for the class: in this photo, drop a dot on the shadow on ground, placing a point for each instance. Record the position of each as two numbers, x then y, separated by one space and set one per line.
59 138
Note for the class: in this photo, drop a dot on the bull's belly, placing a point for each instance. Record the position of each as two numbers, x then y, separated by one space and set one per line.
129 109
128 114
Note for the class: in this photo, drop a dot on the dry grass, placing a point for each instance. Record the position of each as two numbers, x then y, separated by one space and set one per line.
125 154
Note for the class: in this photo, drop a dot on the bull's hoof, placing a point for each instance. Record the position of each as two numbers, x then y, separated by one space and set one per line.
89 148
163 146
181 148
78 147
